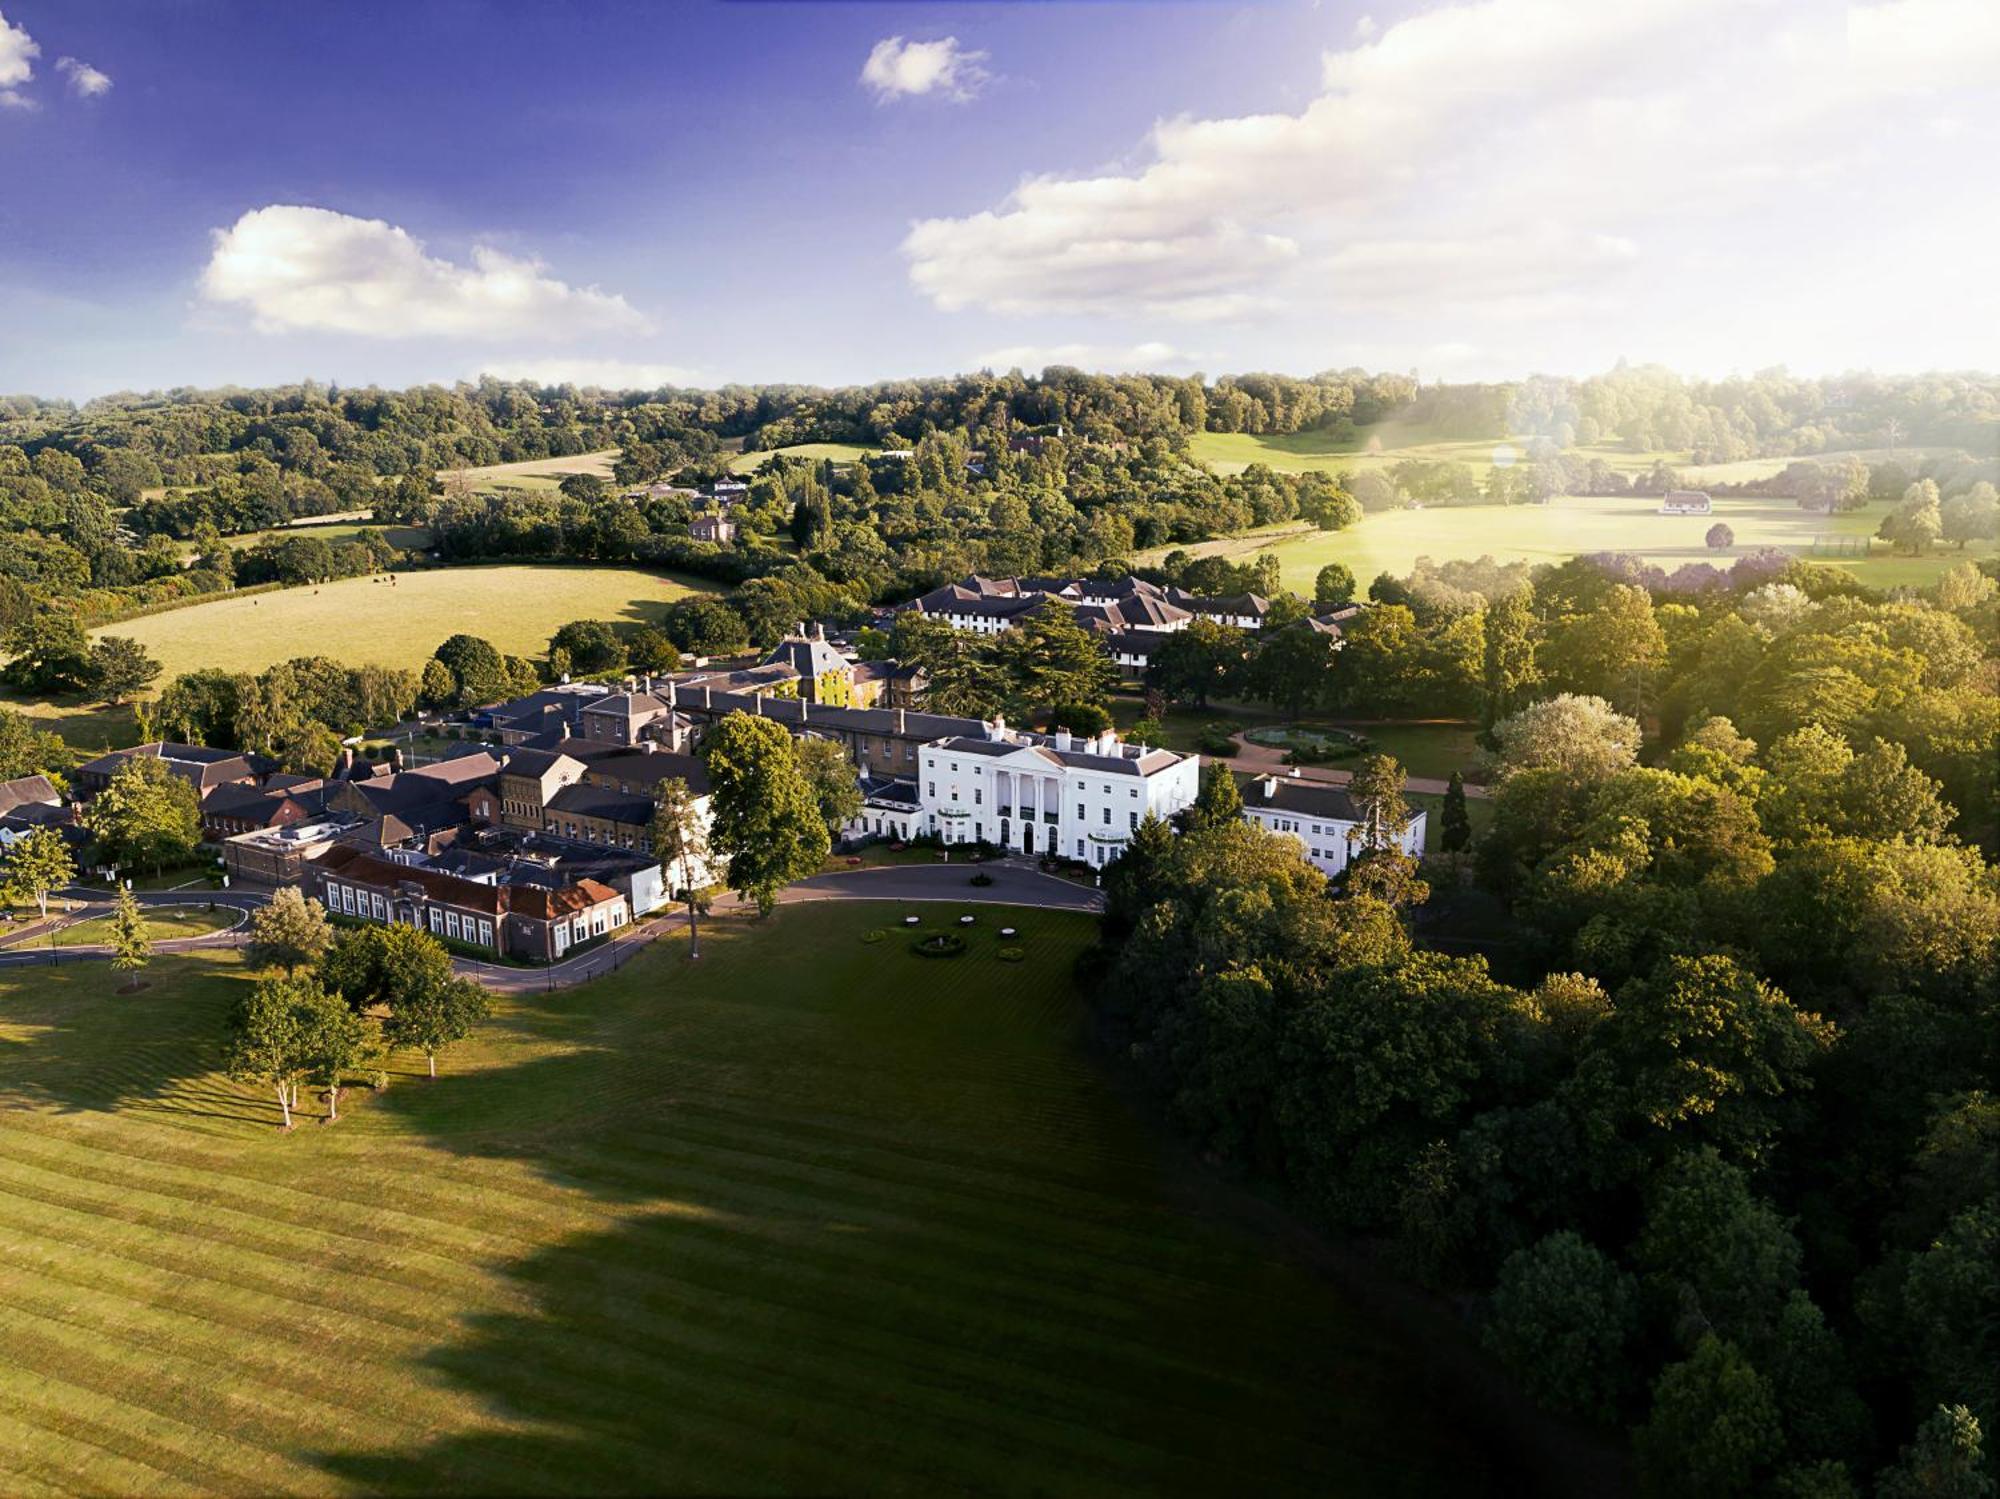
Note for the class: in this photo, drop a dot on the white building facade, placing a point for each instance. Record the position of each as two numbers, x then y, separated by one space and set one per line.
1323 819
1056 794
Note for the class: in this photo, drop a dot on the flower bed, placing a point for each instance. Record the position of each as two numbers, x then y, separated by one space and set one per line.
939 945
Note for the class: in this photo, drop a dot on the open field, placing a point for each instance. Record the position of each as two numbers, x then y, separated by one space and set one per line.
809 1216
364 620
408 538
538 473
1382 447
839 452
1391 541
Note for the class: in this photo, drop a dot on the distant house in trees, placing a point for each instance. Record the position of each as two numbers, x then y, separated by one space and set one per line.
1686 502
719 529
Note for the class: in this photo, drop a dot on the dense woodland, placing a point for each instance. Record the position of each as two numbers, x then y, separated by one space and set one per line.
128 503
1713 1132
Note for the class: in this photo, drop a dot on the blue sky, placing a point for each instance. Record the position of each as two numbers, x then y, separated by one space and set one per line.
201 192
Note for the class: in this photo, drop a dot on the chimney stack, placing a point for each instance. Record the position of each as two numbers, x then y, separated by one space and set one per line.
899 720
1063 740
1270 787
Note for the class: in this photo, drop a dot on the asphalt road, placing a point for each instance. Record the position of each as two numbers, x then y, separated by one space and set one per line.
1014 884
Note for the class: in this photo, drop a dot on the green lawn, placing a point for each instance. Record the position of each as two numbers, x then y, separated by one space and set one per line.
368 620
160 926
1392 541
814 1215
1424 748
839 452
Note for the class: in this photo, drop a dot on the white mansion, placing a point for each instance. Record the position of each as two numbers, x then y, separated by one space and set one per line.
1049 793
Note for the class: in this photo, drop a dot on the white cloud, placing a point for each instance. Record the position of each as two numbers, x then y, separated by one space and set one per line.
311 269
1098 358
899 69
18 52
85 81
605 374
1514 161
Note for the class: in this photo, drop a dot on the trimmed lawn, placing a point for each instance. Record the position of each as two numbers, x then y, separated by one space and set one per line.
812 1215
1424 748
1391 541
1478 812
365 621
160 926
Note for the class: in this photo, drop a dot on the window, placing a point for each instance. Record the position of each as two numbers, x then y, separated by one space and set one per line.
933 789
381 911
1107 817
978 797
451 923
1079 848
486 934
1134 793
1081 812
437 921
1135 821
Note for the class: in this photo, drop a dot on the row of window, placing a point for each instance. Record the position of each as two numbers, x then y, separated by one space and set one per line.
351 900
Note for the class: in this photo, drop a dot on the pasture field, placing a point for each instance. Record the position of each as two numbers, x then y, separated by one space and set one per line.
367 620
1392 540
1378 448
807 1217
538 473
839 452
345 528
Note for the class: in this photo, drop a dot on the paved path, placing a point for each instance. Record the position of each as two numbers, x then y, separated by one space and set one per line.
1262 759
29 945
1015 883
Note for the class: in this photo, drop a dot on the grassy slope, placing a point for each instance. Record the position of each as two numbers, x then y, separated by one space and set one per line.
548 469
839 452
1392 541
812 1216
361 620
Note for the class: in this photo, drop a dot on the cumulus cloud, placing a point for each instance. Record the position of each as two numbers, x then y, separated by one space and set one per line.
18 52
898 69
1529 157
85 81
1097 358
604 374
311 269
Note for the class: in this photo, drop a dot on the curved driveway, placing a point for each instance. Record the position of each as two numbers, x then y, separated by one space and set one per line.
1014 884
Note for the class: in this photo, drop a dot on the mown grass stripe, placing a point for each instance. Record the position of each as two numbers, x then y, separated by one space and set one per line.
805 1217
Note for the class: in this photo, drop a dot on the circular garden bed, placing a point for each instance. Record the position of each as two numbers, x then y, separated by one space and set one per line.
939 945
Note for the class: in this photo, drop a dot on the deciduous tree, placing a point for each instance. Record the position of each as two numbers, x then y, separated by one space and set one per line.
37 864
764 818
289 932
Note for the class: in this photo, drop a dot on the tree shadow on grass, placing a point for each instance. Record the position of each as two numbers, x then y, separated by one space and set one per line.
707 1350
70 1042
